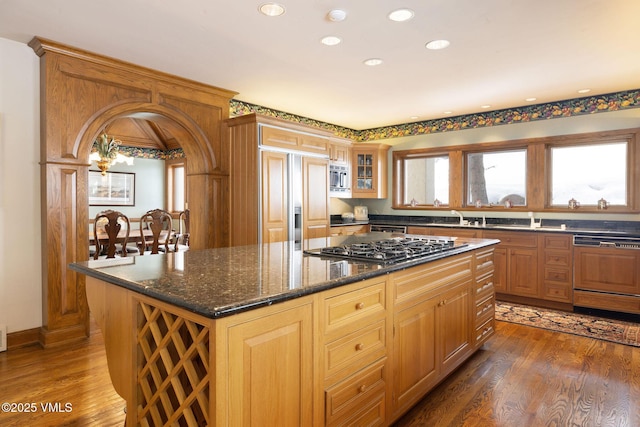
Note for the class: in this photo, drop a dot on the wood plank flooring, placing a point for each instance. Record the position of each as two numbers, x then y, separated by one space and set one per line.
522 377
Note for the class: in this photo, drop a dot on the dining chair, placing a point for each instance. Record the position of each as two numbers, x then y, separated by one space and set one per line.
110 223
160 223
183 235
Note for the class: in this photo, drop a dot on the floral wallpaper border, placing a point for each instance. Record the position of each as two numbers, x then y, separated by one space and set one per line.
568 108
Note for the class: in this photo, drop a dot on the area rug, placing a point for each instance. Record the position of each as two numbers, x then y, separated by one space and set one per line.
622 332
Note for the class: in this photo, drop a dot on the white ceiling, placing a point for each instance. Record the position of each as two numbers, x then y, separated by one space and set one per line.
501 52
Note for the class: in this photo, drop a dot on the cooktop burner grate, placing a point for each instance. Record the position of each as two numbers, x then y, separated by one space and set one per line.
387 251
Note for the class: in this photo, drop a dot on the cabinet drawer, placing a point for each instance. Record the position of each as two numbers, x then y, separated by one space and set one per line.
355 309
484 331
355 350
344 402
557 258
557 274
410 284
523 239
484 261
484 285
485 310
558 291
623 303
556 242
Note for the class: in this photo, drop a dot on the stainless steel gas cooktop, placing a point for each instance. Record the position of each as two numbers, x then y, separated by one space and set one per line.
388 251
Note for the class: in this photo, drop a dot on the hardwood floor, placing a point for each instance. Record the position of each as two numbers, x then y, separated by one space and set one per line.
522 377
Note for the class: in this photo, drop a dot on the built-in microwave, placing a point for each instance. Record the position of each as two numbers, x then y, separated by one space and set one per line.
339 181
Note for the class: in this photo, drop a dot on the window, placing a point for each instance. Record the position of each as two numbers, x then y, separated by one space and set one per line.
598 170
426 180
176 185
497 178
588 173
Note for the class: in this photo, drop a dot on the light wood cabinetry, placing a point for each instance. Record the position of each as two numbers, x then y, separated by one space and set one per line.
340 151
516 263
349 230
369 171
315 197
275 221
433 326
607 279
261 201
353 322
267 351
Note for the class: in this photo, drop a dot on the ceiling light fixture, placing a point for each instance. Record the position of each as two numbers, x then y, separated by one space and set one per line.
530 99
485 106
447 112
401 15
437 44
271 9
584 91
372 62
336 15
330 40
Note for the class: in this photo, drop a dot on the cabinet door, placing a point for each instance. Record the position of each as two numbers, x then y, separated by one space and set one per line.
316 197
271 370
275 222
414 347
454 325
607 270
523 272
500 270
369 171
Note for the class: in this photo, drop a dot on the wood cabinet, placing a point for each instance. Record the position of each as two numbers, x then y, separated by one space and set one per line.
556 267
267 351
607 279
516 263
369 171
433 326
259 179
353 321
349 230
340 151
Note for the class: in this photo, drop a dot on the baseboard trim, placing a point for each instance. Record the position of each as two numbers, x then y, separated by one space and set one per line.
24 338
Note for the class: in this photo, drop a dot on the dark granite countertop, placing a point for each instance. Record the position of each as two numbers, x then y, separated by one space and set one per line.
224 281
593 227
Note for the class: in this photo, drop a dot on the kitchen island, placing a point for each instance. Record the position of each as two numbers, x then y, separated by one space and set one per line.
266 334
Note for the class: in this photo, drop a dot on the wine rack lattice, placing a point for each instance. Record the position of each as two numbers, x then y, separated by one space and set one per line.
173 369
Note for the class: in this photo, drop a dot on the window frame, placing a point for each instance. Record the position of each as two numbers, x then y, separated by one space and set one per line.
538 173
170 166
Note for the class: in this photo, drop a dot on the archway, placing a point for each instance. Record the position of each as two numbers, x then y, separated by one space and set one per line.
80 93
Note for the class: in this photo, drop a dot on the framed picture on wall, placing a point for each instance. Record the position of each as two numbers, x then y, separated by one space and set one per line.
112 189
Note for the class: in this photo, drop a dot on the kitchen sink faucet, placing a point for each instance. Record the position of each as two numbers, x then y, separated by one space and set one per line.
462 220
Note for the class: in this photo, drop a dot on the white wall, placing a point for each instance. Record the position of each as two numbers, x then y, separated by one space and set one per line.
20 264
149 187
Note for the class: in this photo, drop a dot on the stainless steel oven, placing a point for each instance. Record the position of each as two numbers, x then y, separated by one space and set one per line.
339 181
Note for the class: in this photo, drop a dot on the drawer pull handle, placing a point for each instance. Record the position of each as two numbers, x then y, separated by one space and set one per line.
359 306
362 388
359 347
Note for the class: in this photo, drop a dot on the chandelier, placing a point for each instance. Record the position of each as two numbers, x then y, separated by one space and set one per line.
105 152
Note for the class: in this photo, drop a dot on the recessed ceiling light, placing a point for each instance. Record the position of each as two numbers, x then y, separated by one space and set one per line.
372 62
530 99
414 117
337 15
447 112
437 44
271 9
584 90
401 15
485 106
330 40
